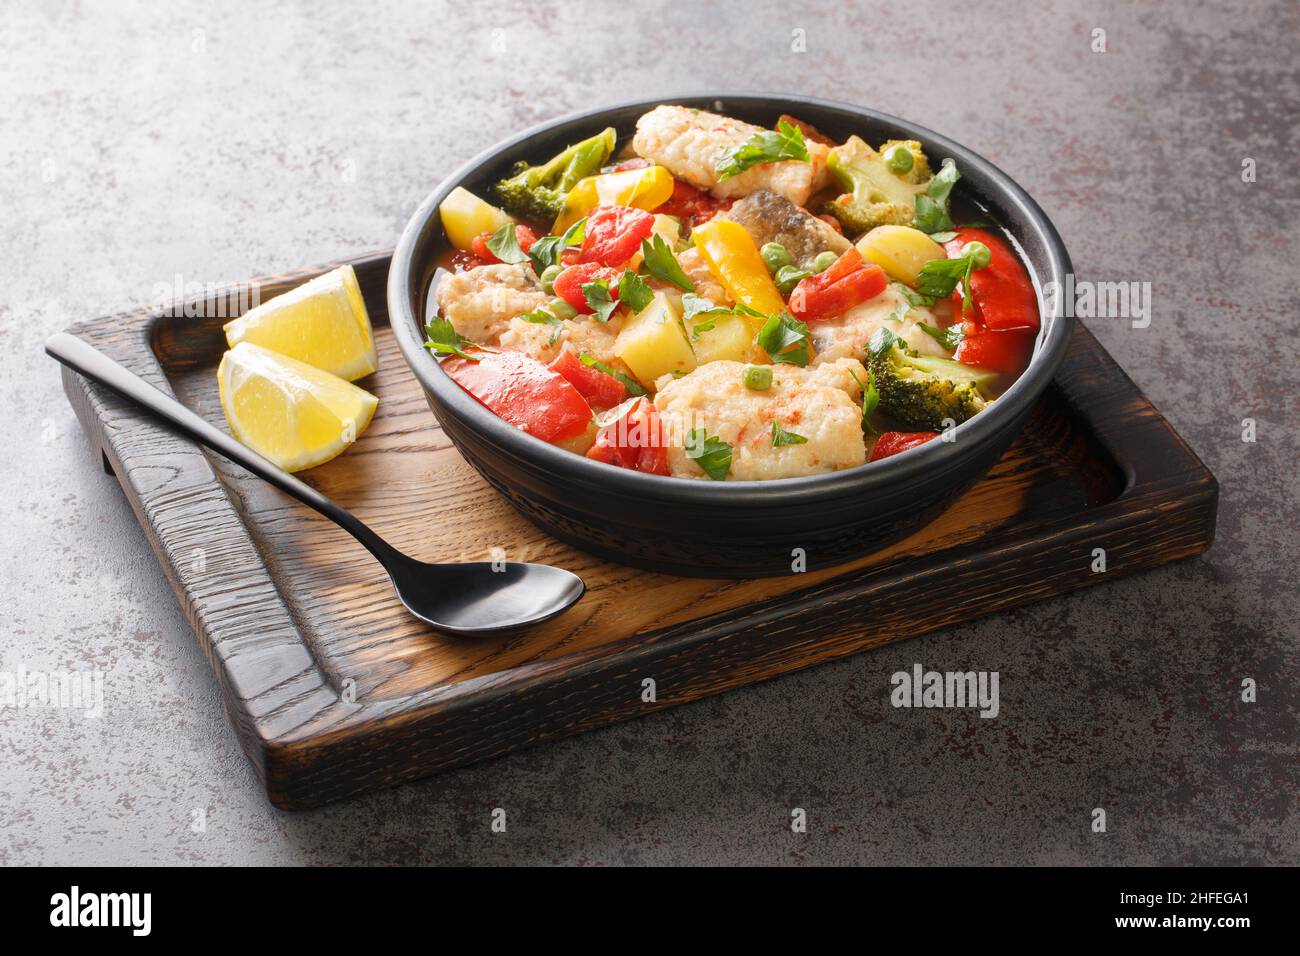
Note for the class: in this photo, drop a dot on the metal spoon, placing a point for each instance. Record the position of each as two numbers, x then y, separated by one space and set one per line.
472 598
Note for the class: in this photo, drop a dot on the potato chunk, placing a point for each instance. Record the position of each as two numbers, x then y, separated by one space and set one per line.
724 338
900 250
465 216
653 343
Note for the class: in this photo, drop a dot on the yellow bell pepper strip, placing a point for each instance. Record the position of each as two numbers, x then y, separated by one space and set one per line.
645 188
735 262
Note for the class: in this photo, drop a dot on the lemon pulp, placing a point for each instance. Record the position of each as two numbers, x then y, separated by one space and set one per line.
296 415
322 322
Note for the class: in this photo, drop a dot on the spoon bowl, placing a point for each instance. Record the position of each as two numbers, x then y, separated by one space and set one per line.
471 599
484 597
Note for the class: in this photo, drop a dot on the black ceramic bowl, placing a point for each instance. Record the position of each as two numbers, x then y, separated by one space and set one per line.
726 528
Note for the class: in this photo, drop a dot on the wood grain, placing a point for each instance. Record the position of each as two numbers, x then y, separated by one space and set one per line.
335 689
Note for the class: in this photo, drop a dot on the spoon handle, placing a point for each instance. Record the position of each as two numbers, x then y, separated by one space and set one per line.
84 358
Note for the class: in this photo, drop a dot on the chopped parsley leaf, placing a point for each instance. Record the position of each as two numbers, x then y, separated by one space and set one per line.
663 265
770 146
932 205
504 244
785 339
632 385
949 338
882 341
445 340
598 299
633 291
711 454
782 437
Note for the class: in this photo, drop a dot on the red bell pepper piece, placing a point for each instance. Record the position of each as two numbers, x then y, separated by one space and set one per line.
891 443
600 390
523 392
1007 352
848 282
633 437
1002 295
613 234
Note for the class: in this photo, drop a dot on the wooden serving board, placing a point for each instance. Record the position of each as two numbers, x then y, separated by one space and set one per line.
334 689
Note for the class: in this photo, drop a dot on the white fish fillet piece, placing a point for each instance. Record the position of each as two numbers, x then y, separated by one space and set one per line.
687 143
821 404
481 302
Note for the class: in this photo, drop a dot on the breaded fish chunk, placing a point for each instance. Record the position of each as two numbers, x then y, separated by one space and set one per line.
846 336
769 217
687 142
820 404
583 333
481 302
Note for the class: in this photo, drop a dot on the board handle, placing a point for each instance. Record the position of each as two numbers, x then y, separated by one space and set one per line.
85 359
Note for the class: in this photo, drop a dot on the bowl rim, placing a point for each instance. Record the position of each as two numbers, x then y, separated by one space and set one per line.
929 458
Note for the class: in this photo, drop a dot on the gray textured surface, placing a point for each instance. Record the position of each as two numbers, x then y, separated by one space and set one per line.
218 143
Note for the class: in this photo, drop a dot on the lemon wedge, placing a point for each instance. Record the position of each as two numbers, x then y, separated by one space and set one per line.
288 411
322 322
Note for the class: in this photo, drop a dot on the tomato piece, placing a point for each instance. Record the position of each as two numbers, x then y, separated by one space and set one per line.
848 282
524 392
1001 293
692 206
682 202
891 443
462 261
613 234
600 390
523 234
568 284
633 437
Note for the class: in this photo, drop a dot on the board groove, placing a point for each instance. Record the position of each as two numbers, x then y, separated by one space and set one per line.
334 689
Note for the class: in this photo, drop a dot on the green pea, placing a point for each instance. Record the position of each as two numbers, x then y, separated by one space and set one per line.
978 252
787 277
775 256
548 278
758 378
899 159
824 261
561 309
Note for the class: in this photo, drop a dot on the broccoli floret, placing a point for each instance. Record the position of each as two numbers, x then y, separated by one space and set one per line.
921 392
875 195
919 174
537 193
